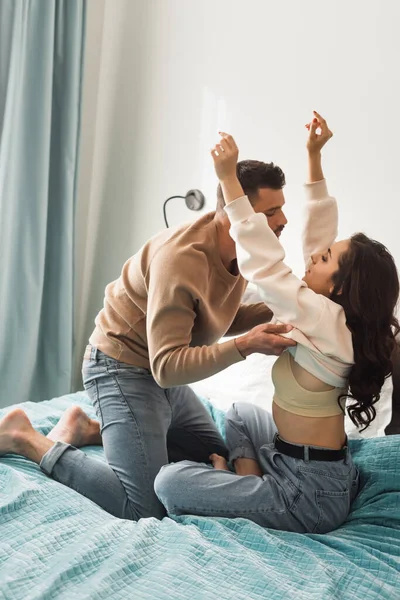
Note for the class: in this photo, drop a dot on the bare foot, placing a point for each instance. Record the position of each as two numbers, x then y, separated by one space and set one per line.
219 462
14 427
76 428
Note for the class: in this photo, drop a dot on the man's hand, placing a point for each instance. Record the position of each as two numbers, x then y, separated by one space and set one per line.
265 339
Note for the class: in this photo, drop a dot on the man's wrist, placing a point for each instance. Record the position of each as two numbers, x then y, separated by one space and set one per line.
243 346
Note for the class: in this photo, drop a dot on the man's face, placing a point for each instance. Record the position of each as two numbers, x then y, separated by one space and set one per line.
270 203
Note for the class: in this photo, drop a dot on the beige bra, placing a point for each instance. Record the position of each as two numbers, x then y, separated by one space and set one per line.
292 397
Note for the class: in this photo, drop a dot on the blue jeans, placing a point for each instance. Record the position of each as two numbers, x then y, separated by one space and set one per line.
143 428
297 495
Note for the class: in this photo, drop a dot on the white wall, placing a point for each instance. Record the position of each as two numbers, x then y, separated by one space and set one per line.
258 68
172 72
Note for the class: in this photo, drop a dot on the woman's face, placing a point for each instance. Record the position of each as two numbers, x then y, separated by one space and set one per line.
318 277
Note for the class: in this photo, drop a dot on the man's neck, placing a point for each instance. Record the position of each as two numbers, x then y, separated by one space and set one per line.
226 246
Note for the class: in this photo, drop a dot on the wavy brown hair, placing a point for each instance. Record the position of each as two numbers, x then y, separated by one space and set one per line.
366 285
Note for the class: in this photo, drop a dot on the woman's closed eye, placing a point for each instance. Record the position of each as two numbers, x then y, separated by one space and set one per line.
325 256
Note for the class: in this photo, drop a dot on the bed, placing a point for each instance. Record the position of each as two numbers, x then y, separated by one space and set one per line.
56 544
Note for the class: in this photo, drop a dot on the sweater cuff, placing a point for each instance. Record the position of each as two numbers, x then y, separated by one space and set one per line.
239 210
317 190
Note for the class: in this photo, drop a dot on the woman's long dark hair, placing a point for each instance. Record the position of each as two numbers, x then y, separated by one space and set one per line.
366 285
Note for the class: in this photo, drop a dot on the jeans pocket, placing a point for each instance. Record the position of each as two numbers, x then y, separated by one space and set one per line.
333 509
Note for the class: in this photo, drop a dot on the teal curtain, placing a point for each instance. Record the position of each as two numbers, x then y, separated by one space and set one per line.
41 55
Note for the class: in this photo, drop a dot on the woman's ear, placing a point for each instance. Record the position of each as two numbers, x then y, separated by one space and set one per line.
338 292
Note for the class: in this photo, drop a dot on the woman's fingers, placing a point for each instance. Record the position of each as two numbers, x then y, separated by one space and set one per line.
314 125
217 151
229 140
325 131
320 119
225 147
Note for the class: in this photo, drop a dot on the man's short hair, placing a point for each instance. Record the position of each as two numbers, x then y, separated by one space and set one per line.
253 176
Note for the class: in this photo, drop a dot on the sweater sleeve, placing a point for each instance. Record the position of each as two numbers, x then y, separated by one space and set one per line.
261 261
321 220
170 319
249 316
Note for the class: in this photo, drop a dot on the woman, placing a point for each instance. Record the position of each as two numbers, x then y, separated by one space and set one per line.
293 469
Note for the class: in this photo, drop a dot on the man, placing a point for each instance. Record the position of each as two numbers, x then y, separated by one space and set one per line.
158 332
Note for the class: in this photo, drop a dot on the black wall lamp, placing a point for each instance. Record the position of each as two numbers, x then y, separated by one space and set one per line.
194 200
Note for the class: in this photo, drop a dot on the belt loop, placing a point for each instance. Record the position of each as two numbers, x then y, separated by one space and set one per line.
306 453
93 353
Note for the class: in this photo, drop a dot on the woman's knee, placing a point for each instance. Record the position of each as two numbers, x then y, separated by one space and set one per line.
239 411
248 425
178 485
168 484
247 412
238 417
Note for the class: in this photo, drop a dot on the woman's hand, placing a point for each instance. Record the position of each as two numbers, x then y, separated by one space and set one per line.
225 155
219 462
316 141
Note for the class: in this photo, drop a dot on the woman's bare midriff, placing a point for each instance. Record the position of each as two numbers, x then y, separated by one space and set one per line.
328 432
311 431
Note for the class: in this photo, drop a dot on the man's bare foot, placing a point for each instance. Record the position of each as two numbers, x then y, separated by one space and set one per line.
77 429
14 427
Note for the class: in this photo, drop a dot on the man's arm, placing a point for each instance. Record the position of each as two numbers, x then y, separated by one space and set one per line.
171 313
249 316
170 320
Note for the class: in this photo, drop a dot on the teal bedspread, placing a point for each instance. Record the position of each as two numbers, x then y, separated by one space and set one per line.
55 543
